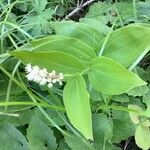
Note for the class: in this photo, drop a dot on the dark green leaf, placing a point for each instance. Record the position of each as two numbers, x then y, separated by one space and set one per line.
11 138
40 135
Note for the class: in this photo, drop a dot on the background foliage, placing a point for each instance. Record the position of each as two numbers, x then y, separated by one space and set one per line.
33 116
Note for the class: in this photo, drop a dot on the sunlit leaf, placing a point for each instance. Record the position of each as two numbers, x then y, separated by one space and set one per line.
76 101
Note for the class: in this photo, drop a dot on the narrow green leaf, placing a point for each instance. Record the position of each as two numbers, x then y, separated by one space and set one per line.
127 44
59 61
81 31
109 77
76 101
142 137
3 57
65 44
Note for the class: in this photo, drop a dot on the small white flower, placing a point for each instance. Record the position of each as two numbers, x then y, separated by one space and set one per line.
61 77
54 80
42 76
37 78
60 83
49 79
50 85
53 73
35 70
28 68
30 77
43 82
43 73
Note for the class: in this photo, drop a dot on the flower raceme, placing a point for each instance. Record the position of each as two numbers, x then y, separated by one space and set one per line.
42 76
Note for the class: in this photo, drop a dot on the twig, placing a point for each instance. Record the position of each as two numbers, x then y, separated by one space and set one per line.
127 143
78 8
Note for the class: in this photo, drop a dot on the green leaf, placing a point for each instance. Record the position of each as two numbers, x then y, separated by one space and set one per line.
102 129
39 23
81 31
97 25
146 98
76 101
11 138
142 137
65 44
76 143
109 77
121 98
59 61
127 44
3 57
40 135
134 116
123 128
138 91
39 6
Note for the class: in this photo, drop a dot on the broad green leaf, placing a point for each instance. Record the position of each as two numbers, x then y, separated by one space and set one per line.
76 143
12 138
81 31
146 98
127 44
39 6
40 135
142 137
65 44
97 25
108 12
95 95
76 101
121 98
109 77
123 128
102 131
59 61
138 91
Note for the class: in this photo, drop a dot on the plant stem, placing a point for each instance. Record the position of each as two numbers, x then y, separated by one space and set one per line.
78 8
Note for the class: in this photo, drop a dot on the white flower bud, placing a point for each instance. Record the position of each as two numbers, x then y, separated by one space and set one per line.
42 76
30 77
50 85
43 73
43 82
28 68
54 80
53 73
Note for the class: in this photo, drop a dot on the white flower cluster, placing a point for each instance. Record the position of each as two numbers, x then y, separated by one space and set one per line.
42 76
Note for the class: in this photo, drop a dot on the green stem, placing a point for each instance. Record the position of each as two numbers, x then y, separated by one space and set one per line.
106 39
10 83
121 108
134 9
31 104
